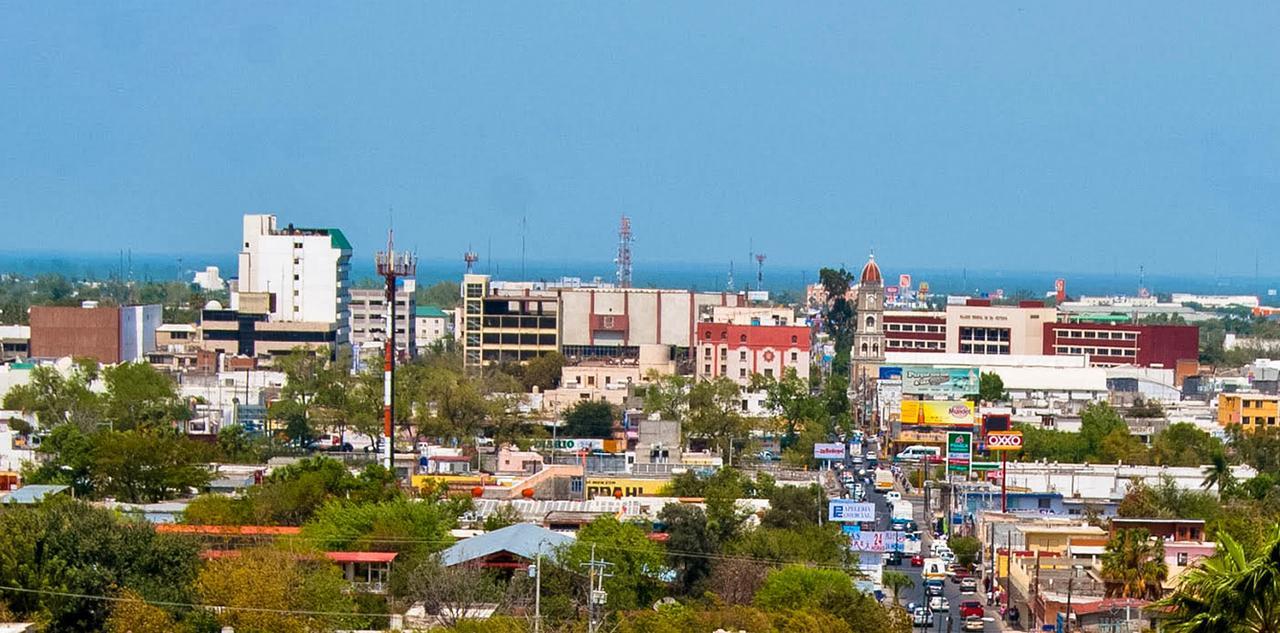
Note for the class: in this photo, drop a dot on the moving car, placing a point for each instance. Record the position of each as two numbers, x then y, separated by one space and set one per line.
917 561
969 585
939 605
933 588
893 558
918 453
922 617
893 496
970 608
973 624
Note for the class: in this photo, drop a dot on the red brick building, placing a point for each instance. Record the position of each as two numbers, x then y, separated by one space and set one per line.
915 332
738 351
1109 345
58 331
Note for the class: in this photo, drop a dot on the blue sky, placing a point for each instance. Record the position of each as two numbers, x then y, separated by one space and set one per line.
1078 137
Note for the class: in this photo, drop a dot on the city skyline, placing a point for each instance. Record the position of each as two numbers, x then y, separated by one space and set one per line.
823 138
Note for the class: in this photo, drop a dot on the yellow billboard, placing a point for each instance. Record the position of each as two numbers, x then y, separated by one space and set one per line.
939 412
610 486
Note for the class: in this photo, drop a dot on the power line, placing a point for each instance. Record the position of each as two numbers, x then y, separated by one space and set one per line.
191 605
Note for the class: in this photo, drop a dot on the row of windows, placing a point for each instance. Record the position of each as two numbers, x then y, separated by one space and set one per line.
902 344
912 327
519 339
1270 421
1253 404
984 349
984 334
544 323
742 371
1097 351
1106 334
742 354
742 338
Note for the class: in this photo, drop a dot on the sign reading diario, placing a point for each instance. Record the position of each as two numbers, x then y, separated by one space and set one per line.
611 486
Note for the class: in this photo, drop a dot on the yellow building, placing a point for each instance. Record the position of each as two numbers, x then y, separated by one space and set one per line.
1249 410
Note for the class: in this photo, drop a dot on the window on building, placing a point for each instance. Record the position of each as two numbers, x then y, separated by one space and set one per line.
793 340
591 381
1044 504
742 354
706 369
706 352
724 354
1182 559
768 371
742 338
742 372
708 336
724 369
795 356
297 244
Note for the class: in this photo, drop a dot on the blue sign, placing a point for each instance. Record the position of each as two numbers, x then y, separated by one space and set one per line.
890 373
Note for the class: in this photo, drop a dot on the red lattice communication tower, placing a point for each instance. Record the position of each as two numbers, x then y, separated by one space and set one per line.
470 257
760 257
391 266
624 253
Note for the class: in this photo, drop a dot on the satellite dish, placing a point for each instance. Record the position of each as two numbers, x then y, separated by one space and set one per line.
213 305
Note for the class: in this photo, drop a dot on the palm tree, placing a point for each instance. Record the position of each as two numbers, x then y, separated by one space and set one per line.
1218 474
1227 593
1133 565
896 581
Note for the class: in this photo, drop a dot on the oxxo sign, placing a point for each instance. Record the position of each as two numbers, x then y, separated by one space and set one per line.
1004 440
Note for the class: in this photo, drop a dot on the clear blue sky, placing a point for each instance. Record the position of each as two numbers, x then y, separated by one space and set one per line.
1080 137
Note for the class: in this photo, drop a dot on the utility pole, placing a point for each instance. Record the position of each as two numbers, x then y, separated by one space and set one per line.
1066 619
596 596
537 593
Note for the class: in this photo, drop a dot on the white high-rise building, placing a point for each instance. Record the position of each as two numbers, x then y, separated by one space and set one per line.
305 271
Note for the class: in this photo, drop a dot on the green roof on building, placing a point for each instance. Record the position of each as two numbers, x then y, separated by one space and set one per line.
429 311
339 240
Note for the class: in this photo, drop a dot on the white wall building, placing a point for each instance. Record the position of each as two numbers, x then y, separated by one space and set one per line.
1217 301
369 318
305 270
138 331
209 279
430 324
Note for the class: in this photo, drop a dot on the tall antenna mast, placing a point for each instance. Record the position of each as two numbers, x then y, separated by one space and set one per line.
391 266
470 257
760 257
729 283
624 253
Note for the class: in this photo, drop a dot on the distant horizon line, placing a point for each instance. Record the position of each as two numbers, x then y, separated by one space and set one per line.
746 272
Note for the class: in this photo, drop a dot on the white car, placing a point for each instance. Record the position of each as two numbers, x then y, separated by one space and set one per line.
892 496
938 604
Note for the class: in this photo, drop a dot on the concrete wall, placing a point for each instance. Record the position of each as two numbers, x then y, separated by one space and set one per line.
58 331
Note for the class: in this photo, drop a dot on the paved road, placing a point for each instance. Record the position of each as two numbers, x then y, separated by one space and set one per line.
951 590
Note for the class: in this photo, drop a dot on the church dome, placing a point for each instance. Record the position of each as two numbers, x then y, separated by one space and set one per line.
871 273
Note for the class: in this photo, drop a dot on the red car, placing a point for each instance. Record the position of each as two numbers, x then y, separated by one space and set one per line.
971 607
917 561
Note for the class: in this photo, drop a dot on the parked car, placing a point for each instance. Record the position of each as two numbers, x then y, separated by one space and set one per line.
917 561
939 605
973 624
971 608
969 585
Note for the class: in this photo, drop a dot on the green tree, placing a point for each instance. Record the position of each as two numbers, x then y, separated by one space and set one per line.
506 515
1217 475
966 549
443 294
146 466
991 388
715 414
590 418
790 397
1228 592
1183 444
667 395
1133 565
798 589
792 507
543 371
895 582
131 614
139 396
690 544
816 544
56 399
637 562
276 591
65 545
400 525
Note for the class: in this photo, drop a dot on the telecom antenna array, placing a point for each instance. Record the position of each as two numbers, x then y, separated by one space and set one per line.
391 266
624 253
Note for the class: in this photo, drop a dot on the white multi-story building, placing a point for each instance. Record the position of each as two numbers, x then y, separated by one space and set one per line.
430 324
369 318
1217 301
304 271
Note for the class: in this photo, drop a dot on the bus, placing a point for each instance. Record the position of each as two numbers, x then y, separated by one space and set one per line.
884 480
934 569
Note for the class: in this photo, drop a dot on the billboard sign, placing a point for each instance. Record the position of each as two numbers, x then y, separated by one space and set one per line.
959 447
939 412
828 451
949 383
876 541
612 486
890 373
1004 440
850 511
570 445
904 281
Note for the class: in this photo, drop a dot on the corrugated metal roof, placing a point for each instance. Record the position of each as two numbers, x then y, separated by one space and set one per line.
522 539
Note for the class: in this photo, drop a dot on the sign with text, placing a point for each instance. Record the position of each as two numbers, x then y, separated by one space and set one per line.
938 412
950 383
850 511
959 447
876 541
613 487
828 451
1004 441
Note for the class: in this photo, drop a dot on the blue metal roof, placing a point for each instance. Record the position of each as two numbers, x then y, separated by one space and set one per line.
525 540
32 494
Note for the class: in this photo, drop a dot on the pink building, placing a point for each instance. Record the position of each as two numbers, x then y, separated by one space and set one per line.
739 351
